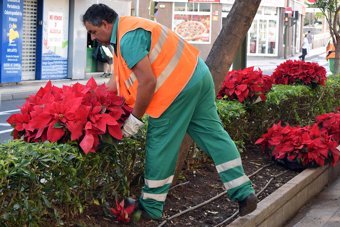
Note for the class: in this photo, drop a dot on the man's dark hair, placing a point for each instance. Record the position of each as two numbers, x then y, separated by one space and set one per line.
99 12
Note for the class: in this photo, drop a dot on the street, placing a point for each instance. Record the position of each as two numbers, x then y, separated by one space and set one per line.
266 65
6 109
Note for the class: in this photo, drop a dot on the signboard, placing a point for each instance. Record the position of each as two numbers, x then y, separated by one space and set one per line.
289 11
55 29
11 40
310 1
55 40
193 28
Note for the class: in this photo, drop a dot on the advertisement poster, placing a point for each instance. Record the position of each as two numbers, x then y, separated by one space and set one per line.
11 41
55 40
193 28
55 29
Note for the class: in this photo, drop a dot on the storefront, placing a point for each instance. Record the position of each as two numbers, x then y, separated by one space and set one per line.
46 40
200 22
263 35
197 21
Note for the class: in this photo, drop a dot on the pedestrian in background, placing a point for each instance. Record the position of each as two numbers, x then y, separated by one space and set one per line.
310 40
160 74
330 55
305 46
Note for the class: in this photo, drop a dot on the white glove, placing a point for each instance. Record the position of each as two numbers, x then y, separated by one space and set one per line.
131 126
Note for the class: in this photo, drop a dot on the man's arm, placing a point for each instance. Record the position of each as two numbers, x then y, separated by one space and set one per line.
111 84
146 86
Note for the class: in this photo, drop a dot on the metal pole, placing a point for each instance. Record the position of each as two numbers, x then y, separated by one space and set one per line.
285 42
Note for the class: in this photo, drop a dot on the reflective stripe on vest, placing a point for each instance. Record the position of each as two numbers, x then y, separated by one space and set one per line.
154 54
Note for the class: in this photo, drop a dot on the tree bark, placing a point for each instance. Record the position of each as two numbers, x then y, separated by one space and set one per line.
222 54
230 38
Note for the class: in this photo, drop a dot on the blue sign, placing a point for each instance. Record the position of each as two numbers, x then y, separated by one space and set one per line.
11 40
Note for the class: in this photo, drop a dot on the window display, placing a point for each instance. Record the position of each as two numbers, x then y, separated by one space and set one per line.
192 21
263 32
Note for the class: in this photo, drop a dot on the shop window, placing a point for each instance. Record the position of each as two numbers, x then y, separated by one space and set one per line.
193 7
205 7
180 6
253 37
272 37
194 22
270 11
262 36
263 33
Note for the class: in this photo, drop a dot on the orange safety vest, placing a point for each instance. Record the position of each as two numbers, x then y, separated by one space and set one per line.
173 62
330 51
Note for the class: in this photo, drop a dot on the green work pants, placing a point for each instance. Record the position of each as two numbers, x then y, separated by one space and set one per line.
193 111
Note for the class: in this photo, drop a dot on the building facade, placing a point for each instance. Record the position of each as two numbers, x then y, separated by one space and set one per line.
46 40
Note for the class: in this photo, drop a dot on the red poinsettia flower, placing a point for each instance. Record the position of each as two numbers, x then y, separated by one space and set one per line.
307 145
122 213
330 122
72 113
299 72
246 84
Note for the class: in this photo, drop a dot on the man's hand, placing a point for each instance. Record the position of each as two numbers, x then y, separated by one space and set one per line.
111 84
131 126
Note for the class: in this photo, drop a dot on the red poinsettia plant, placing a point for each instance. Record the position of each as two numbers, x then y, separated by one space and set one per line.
330 123
308 146
123 212
81 113
294 72
246 84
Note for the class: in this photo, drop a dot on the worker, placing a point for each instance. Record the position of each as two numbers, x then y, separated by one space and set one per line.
161 75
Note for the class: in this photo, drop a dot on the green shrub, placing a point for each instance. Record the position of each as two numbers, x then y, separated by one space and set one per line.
234 117
291 104
42 183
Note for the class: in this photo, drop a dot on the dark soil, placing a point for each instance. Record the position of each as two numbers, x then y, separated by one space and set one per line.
200 184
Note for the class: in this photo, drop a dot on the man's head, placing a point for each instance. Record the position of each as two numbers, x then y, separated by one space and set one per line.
99 20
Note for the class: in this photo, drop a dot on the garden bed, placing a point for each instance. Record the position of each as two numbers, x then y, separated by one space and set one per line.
199 185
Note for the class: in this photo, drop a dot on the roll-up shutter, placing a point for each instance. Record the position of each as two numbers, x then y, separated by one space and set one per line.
29 39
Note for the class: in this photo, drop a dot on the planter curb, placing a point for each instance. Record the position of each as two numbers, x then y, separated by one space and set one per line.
285 202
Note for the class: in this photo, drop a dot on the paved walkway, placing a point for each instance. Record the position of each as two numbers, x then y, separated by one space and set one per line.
322 211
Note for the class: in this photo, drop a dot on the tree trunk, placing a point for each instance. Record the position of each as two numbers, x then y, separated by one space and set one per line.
230 38
337 57
223 52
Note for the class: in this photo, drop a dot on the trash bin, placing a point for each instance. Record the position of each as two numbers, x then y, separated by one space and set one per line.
91 63
331 64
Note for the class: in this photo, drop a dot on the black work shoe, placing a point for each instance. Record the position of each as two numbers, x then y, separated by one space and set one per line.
139 212
247 205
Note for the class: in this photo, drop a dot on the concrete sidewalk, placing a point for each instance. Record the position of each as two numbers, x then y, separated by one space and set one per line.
270 63
324 210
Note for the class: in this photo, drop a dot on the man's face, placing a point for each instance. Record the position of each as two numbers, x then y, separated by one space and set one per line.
101 33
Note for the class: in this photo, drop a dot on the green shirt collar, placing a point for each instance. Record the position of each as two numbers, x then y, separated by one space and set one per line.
113 39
